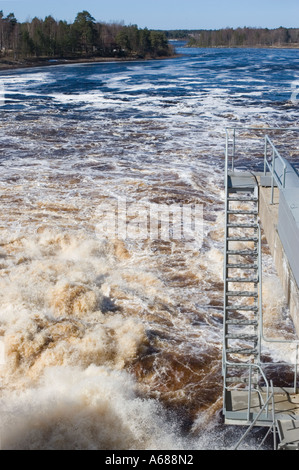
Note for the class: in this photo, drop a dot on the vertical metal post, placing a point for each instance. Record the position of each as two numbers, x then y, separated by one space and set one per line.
273 172
265 155
234 150
296 370
273 416
226 158
260 276
226 203
249 393
224 371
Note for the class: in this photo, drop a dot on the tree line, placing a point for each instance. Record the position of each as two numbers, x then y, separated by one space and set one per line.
84 37
245 37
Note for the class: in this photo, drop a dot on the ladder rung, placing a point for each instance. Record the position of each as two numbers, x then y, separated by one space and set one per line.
242 225
241 190
244 336
243 198
242 239
242 294
242 322
242 279
243 380
244 308
242 252
242 212
242 351
242 266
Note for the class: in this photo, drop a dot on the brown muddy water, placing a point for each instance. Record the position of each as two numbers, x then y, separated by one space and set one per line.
113 340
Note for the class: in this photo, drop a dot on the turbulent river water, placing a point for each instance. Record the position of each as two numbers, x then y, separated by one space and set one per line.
114 341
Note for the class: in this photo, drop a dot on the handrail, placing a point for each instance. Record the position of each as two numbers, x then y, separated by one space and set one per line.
266 162
269 340
241 128
227 151
281 184
272 166
225 241
292 129
271 397
250 367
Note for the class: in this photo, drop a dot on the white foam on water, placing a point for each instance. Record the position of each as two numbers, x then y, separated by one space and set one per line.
94 328
95 408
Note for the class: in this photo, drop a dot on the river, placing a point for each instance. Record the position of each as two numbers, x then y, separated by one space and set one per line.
113 340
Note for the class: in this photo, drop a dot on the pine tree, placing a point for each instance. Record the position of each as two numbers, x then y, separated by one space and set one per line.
84 27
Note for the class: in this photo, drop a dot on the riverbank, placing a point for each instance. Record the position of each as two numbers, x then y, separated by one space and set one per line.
289 46
9 64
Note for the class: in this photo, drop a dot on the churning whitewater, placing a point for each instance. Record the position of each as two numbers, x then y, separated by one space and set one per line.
115 342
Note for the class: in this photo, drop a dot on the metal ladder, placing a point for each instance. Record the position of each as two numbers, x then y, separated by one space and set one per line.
241 268
248 396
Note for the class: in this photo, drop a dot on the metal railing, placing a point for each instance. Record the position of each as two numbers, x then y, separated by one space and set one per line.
272 165
271 428
260 369
260 129
251 369
280 179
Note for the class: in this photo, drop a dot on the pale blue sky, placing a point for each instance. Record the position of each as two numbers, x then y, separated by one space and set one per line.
165 14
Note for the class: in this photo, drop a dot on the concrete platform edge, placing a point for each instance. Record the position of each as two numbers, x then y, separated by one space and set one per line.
269 217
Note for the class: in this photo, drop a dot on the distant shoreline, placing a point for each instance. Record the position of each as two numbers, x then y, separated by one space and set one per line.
294 47
8 64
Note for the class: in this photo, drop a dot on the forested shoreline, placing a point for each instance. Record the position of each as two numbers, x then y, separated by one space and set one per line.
244 37
44 41
84 38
